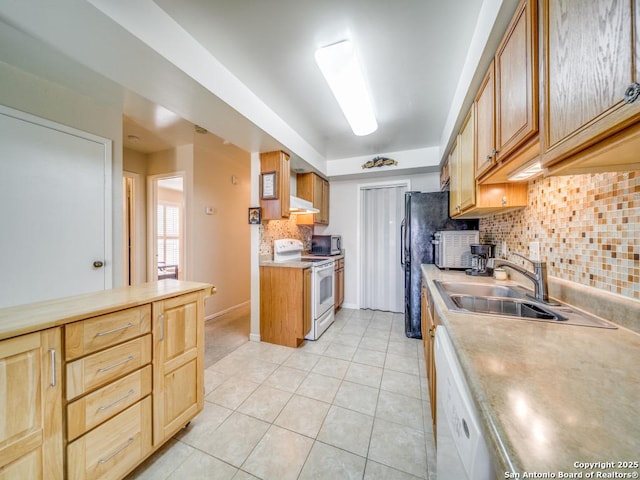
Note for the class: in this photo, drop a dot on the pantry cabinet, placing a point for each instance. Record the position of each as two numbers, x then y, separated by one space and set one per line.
589 76
121 370
314 188
275 203
31 440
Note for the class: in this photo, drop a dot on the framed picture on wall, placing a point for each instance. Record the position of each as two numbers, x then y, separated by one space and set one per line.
268 190
255 215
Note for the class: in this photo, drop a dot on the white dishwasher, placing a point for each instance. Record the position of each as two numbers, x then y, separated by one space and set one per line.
462 451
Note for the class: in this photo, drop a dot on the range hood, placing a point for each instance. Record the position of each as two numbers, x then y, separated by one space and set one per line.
298 205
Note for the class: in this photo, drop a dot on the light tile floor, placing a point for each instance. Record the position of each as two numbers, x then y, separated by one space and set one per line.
351 405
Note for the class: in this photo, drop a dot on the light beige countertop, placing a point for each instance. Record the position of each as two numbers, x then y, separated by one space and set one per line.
267 261
32 317
548 395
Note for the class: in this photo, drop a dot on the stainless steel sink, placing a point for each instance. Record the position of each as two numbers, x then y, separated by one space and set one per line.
505 306
481 289
510 301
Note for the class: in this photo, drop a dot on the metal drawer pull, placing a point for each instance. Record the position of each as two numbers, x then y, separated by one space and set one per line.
105 407
108 332
126 360
126 445
52 352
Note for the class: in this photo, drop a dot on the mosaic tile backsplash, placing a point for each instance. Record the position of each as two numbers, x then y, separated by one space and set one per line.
276 229
588 227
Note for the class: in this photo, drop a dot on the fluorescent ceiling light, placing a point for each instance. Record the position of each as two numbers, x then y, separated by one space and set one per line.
526 173
341 69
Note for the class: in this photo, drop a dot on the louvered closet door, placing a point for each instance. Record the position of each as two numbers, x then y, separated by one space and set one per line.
382 276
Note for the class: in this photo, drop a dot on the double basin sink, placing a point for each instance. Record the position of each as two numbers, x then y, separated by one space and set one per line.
510 301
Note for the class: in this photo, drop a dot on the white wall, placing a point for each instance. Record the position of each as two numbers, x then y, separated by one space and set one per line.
345 220
31 94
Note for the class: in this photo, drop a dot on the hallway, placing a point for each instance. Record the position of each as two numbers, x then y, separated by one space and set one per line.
353 404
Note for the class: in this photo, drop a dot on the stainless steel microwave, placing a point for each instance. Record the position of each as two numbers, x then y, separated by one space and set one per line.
326 244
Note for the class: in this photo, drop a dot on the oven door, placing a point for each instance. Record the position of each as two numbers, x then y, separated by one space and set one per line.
323 289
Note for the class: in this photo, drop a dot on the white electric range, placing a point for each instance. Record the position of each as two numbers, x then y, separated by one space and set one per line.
322 283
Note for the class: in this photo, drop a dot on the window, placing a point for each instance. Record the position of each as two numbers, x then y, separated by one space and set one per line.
168 237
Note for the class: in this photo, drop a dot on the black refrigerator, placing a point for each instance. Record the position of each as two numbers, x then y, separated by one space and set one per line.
424 214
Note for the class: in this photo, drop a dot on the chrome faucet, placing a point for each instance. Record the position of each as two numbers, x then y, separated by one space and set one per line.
538 276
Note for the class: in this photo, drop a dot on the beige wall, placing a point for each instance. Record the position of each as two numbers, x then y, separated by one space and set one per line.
218 245
31 94
221 240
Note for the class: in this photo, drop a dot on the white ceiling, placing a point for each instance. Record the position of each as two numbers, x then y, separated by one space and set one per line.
413 53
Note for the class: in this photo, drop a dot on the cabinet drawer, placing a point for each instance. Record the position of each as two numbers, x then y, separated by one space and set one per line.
101 368
114 448
93 409
93 334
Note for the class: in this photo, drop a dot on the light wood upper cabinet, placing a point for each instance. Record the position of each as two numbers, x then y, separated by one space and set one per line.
516 64
466 163
590 62
278 162
314 188
454 181
461 168
484 105
31 405
506 103
178 363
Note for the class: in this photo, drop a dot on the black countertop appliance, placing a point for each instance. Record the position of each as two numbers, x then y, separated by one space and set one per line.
424 214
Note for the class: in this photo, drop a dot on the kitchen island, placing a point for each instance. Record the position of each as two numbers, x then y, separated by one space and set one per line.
91 385
551 398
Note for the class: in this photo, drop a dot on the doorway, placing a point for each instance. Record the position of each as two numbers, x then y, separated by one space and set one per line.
382 209
167 232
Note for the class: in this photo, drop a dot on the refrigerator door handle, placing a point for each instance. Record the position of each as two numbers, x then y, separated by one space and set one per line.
402 228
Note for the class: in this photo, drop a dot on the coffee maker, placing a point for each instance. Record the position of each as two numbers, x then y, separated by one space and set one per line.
480 260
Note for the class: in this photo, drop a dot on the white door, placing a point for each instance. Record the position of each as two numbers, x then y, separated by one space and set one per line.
382 209
55 210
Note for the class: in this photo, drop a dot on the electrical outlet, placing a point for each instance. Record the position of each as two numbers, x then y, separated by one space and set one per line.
503 249
534 251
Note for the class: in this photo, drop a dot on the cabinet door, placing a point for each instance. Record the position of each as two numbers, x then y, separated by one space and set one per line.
31 406
517 81
324 207
485 123
588 65
276 208
466 159
454 181
306 302
178 363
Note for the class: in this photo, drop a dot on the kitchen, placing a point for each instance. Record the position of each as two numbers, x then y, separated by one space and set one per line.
601 203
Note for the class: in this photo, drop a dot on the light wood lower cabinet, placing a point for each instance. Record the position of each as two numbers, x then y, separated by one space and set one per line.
429 324
115 447
285 305
178 363
133 375
31 440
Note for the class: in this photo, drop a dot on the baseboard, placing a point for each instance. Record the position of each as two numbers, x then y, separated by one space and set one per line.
254 337
227 310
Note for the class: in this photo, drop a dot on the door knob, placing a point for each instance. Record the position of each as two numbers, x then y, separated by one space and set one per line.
98 264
